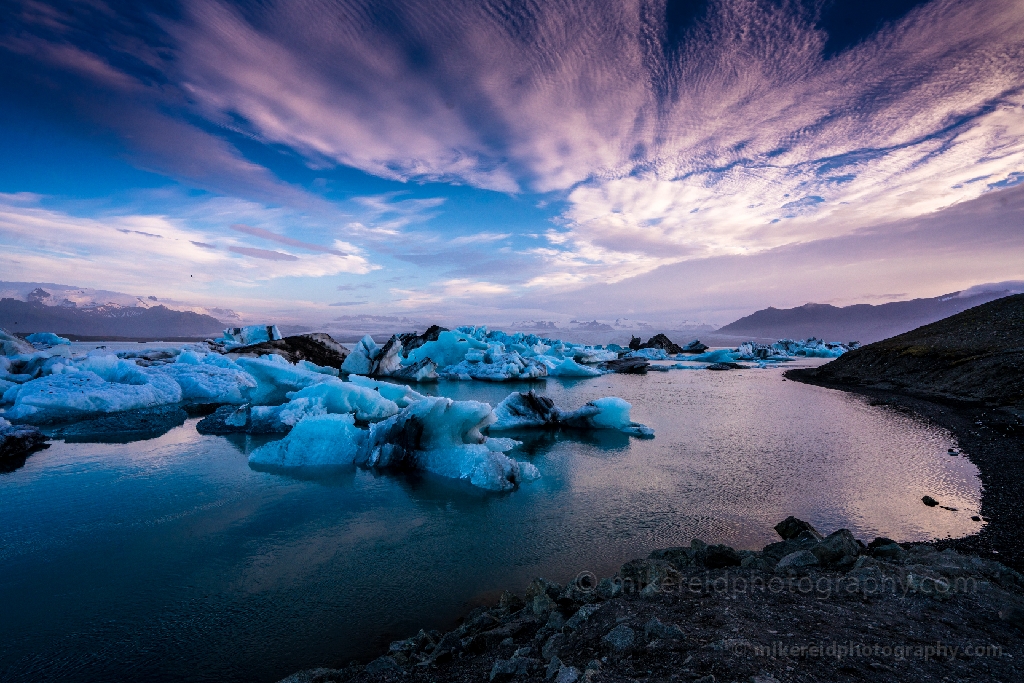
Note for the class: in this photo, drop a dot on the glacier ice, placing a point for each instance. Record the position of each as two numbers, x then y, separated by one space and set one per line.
275 377
401 394
17 441
367 404
46 339
434 434
360 361
209 378
104 384
317 441
528 410
569 368
235 337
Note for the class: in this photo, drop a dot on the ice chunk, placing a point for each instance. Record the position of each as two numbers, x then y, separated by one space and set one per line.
97 387
275 377
321 440
493 365
361 360
649 354
435 434
251 334
569 368
401 394
717 356
449 349
205 380
524 410
13 346
367 404
46 339
589 354
444 437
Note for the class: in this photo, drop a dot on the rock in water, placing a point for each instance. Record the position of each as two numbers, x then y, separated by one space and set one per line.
318 348
17 442
791 527
627 366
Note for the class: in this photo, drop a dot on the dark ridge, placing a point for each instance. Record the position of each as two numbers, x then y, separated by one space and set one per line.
318 348
966 374
865 323
158 323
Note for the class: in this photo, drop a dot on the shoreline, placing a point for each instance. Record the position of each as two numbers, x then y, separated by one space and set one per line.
989 437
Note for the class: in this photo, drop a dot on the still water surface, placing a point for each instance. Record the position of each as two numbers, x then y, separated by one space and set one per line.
170 559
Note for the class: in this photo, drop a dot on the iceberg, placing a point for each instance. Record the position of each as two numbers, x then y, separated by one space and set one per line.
530 410
649 354
245 336
570 368
401 394
435 434
318 441
46 339
494 365
361 360
209 378
275 377
13 346
367 404
95 384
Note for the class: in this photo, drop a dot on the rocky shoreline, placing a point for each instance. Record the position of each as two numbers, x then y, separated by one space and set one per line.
806 608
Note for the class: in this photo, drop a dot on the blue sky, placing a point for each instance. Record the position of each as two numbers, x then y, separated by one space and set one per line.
496 161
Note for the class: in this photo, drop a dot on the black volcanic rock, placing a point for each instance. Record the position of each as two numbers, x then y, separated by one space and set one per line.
975 356
660 341
109 321
862 322
317 347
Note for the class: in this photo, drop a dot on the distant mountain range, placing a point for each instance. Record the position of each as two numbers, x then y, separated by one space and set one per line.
865 323
75 313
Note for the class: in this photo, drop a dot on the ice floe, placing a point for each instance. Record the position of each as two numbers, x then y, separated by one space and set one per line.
235 337
530 410
434 434
46 340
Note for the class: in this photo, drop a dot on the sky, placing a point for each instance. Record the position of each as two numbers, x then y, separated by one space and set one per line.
502 160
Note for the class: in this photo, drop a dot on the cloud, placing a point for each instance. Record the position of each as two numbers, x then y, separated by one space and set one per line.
274 237
141 251
263 254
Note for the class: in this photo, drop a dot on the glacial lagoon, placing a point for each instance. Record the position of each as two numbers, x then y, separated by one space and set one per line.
171 559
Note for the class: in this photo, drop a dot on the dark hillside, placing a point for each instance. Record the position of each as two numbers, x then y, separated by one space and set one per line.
105 321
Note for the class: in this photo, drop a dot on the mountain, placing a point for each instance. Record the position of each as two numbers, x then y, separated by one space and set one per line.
977 355
75 312
106 321
865 323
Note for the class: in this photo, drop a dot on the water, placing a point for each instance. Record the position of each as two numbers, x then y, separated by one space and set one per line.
170 559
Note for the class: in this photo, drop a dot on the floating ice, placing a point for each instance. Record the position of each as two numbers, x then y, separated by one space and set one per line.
526 410
494 365
13 346
336 396
96 384
17 441
46 339
435 434
317 441
361 360
276 377
569 368
649 354
209 378
235 337
401 394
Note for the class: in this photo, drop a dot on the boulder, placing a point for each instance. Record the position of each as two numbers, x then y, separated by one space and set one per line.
797 560
510 601
628 366
838 549
620 639
656 629
638 574
791 527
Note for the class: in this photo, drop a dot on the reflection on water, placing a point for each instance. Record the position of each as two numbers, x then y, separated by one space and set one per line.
172 559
